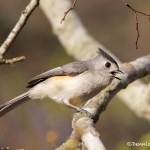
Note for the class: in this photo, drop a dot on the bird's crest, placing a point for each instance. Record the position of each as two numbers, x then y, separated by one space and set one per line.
106 55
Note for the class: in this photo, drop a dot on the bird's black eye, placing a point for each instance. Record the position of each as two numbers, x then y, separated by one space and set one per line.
108 64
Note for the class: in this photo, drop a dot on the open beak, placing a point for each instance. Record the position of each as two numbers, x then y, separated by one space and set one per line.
114 73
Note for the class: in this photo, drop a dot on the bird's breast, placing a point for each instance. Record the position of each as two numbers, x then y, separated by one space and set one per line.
61 88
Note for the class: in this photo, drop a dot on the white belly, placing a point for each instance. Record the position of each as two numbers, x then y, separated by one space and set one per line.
61 88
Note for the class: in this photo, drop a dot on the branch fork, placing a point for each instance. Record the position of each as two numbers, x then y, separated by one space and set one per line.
15 32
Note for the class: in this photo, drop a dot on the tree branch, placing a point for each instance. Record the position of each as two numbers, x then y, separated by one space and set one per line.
84 135
133 71
15 32
73 142
72 7
12 60
80 45
83 125
136 19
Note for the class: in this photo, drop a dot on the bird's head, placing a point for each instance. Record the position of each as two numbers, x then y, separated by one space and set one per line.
107 66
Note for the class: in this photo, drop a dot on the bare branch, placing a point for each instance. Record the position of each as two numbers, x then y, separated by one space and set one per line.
136 19
83 125
133 71
83 48
84 135
72 35
134 10
16 30
137 29
12 60
73 142
65 13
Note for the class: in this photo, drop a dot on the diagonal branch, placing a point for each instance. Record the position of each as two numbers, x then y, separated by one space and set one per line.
133 71
15 32
83 136
65 13
80 44
82 124
12 60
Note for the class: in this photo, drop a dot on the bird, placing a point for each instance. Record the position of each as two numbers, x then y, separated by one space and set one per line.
72 82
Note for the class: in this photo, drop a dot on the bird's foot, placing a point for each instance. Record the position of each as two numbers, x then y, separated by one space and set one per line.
83 111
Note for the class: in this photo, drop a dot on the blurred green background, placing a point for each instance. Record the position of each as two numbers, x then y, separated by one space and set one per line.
45 124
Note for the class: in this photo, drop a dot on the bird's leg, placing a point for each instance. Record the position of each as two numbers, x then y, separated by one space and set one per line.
78 109
72 106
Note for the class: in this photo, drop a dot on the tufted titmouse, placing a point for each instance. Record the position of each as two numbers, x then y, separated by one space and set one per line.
67 84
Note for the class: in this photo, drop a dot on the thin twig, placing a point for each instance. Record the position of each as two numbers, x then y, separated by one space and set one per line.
134 10
136 19
72 7
137 29
18 27
12 60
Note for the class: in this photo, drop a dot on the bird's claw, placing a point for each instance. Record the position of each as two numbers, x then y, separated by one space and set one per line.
83 111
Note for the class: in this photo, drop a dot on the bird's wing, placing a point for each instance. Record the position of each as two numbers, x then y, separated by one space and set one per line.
71 69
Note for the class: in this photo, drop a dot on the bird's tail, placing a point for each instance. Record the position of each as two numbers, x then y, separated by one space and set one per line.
8 106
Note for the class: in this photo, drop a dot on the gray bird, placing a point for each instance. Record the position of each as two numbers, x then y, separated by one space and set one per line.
76 81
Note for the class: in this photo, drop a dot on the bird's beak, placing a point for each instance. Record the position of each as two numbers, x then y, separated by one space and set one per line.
117 72
114 73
